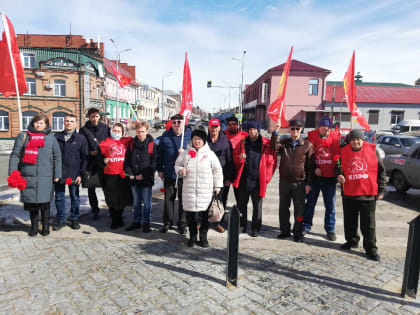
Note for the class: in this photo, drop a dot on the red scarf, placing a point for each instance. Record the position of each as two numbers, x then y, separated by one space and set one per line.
37 140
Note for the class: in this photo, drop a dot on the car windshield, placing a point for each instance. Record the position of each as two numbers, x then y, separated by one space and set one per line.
408 142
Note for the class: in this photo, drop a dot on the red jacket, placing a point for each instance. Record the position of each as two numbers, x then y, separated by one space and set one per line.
268 164
236 150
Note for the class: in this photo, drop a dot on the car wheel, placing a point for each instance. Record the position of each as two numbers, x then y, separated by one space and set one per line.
399 182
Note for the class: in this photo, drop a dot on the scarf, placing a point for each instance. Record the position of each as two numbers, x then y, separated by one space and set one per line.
37 140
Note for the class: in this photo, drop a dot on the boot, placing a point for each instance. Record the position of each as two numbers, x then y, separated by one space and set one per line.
192 241
114 223
34 215
45 217
203 239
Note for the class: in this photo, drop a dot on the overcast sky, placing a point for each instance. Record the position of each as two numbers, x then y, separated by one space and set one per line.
385 35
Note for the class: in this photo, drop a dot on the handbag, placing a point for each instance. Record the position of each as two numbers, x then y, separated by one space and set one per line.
216 210
92 178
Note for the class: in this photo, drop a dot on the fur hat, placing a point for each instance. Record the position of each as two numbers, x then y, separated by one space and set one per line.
199 133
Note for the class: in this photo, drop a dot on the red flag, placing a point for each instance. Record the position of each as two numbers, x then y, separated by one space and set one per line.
187 97
350 93
278 107
8 44
121 75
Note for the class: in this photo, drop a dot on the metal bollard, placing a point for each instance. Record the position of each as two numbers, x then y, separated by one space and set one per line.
233 248
412 260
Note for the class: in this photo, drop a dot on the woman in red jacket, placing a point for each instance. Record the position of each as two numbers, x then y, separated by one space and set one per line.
116 187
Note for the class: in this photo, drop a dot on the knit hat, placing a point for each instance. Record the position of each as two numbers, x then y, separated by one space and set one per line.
356 133
199 133
325 121
252 124
232 118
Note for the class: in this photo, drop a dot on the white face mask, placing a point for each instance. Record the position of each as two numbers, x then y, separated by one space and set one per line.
116 136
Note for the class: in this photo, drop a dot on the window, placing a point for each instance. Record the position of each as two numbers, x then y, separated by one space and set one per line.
264 92
4 120
27 117
345 116
28 60
58 121
396 116
30 83
98 91
59 88
313 87
373 117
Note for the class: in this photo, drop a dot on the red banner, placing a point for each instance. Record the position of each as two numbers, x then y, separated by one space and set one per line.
187 97
350 93
277 109
120 74
7 80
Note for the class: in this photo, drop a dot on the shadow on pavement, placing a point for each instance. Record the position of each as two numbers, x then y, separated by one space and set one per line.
409 199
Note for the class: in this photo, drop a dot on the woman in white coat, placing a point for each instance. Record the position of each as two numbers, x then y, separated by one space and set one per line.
202 175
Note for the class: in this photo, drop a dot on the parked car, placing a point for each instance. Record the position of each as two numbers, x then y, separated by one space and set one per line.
160 124
410 125
396 144
404 170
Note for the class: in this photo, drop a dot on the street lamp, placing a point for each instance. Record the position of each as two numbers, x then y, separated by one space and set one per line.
162 106
118 56
241 98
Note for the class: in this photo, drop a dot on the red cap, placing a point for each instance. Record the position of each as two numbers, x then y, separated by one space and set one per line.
214 122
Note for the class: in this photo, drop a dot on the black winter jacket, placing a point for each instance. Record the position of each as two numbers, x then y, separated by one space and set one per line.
94 135
223 150
138 161
74 154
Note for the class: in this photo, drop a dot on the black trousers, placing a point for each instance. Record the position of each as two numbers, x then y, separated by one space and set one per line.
93 199
243 198
366 208
34 209
292 191
195 218
225 194
169 203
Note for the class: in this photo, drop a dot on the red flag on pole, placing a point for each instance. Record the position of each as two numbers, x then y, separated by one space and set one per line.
10 62
187 97
350 93
120 74
277 109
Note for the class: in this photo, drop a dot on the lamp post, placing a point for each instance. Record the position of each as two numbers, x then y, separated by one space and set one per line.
162 105
241 98
117 57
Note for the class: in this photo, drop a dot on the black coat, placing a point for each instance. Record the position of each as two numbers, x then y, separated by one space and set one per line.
138 161
251 172
223 150
74 155
94 135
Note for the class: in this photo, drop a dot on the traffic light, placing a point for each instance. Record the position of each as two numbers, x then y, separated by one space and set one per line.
209 84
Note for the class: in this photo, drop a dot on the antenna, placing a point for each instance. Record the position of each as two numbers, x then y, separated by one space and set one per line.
70 28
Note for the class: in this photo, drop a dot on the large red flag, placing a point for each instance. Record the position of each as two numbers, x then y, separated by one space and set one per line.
350 93
187 97
120 74
9 45
278 107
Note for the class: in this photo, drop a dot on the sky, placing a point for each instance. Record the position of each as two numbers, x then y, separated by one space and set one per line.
385 35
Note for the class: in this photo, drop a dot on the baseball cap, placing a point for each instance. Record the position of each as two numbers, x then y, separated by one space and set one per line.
214 122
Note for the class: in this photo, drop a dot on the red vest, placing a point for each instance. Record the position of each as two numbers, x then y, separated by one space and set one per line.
115 151
360 170
324 150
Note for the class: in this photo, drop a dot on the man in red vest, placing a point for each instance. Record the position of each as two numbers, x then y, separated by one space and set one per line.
326 144
362 175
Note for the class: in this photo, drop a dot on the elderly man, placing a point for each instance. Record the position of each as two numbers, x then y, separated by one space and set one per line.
296 175
362 174
326 145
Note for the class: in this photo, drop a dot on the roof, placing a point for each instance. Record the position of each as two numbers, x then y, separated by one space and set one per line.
297 65
369 83
390 93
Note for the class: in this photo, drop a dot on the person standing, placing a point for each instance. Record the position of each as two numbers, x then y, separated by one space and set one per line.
140 164
221 146
75 154
362 175
168 150
258 164
37 156
235 137
95 132
203 176
326 145
297 162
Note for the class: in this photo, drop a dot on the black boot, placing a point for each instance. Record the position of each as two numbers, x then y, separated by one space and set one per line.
34 215
45 217
114 223
192 241
203 239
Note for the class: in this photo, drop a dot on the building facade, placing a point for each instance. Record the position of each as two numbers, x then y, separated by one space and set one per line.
147 102
304 95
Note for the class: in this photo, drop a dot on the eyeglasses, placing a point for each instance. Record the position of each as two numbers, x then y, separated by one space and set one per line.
176 122
295 128
232 124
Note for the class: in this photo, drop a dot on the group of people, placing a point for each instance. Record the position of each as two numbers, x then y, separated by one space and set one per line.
198 166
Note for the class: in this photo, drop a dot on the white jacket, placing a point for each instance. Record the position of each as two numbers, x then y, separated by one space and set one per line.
204 174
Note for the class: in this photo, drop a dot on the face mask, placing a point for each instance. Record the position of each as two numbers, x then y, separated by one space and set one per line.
116 136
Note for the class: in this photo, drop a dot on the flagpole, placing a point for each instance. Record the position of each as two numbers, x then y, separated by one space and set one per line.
7 32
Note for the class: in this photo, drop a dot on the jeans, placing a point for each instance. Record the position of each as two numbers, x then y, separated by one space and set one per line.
328 192
60 202
142 195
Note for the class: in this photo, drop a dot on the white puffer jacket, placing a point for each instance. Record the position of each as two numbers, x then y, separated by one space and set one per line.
204 174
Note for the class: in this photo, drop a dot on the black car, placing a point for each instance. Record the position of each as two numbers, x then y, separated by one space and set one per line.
160 124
